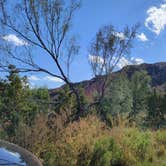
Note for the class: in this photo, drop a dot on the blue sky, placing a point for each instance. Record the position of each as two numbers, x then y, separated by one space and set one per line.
149 47
96 13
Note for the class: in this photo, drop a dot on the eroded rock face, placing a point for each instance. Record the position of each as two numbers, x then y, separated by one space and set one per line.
11 154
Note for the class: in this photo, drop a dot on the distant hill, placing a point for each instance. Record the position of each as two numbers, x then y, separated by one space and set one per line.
157 71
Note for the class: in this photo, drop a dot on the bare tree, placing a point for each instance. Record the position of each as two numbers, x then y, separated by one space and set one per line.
39 29
106 51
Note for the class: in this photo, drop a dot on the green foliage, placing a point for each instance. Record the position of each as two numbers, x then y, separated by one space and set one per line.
154 105
161 137
164 104
18 103
118 100
49 155
156 110
2 134
12 101
89 142
127 97
41 98
140 85
139 143
106 153
65 101
73 145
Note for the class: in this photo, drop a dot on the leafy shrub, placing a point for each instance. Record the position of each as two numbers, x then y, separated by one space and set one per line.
160 138
137 146
106 153
3 134
89 142
76 142
70 146
48 154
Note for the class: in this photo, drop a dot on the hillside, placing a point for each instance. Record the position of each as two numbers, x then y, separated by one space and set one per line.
157 71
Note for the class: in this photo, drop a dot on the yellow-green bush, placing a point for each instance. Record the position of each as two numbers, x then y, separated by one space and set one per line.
76 142
140 147
107 153
160 138
89 142
138 142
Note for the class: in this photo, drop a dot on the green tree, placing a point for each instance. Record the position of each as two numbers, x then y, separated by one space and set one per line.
140 86
42 99
106 49
163 107
119 98
65 102
12 100
45 26
19 103
36 101
156 109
